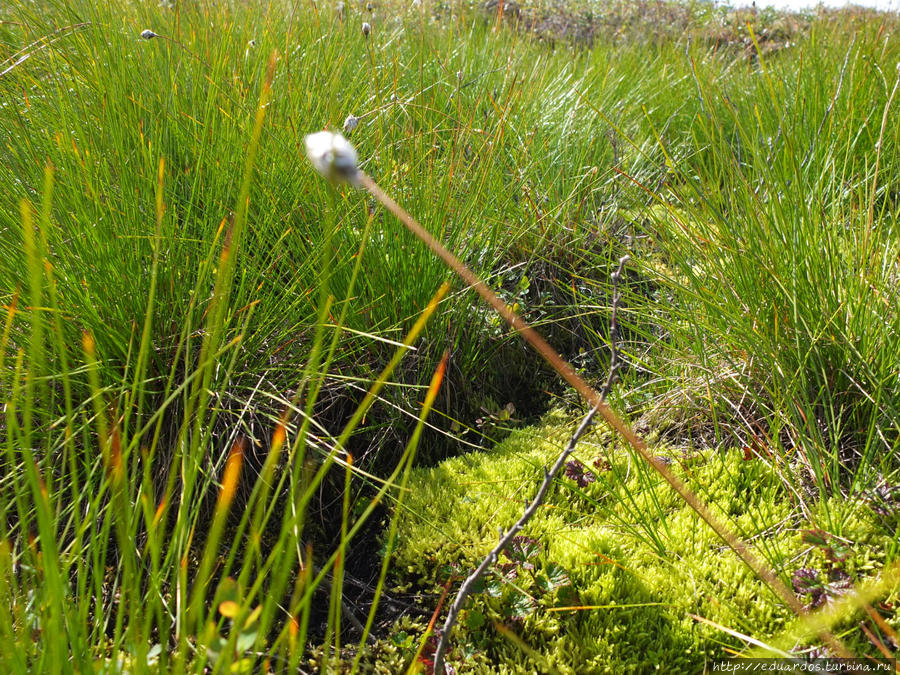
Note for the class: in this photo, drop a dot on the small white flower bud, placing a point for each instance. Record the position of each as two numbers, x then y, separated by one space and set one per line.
332 156
350 123
366 28
148 34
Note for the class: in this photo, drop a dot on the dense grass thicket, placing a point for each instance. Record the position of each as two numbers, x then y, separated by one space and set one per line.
217 370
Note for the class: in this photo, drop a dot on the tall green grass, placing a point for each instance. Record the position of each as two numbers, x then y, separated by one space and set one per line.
781 234
192 319
138 576
474 117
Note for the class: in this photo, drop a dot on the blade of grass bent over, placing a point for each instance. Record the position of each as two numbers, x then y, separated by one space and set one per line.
336 159
590 395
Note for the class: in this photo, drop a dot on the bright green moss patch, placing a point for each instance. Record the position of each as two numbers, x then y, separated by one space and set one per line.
607 575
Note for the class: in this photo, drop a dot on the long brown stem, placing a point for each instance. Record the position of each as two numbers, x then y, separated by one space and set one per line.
594 400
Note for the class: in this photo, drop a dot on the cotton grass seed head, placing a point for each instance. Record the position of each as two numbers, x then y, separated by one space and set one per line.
366 28
332 156
350 123
148 34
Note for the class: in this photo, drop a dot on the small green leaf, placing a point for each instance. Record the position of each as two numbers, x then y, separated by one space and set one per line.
228 592
242 666
556 577
522 549
493 587
478 586
838 551
522 605
816 537
524 283
567 596
245 641
475 620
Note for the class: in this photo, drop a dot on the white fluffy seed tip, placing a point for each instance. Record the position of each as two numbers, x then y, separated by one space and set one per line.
350 123
333 156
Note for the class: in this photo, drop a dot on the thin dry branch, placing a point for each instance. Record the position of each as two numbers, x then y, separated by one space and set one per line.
549 476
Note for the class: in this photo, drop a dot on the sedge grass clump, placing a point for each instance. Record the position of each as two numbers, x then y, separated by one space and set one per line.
118 467
229 572
781 251
189 110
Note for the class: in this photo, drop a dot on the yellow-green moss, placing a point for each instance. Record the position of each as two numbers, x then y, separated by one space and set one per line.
639 561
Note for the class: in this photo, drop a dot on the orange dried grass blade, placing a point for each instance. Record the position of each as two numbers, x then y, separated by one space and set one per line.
436 379
883 625
875 640
231 476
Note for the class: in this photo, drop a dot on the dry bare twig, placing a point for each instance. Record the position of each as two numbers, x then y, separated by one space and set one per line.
549 475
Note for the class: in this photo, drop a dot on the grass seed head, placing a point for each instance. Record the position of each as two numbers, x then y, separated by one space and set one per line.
332 156
148 34
366 28
350 123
